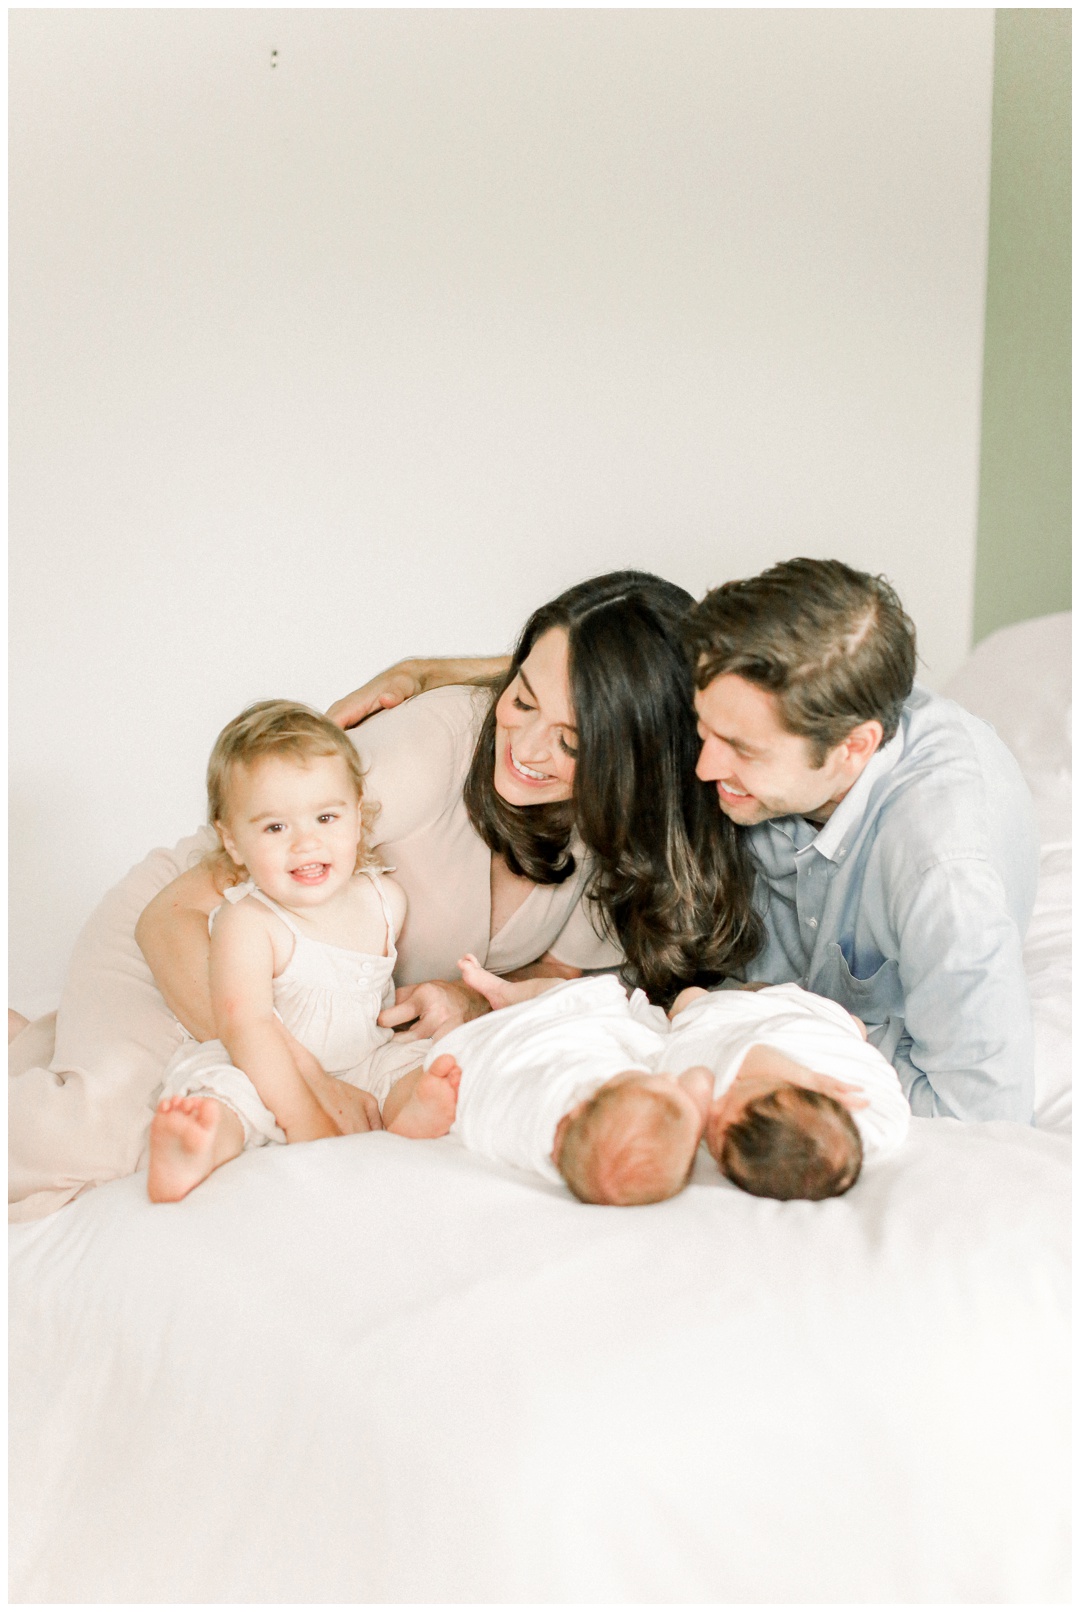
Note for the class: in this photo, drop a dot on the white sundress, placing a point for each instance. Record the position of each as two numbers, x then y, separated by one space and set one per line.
329 998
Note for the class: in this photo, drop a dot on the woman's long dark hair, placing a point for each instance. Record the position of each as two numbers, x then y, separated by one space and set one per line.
672 880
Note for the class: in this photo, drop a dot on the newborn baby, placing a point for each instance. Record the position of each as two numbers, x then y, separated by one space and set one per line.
564 1081
799 1096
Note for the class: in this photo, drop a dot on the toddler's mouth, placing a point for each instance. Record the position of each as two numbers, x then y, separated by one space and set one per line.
310 873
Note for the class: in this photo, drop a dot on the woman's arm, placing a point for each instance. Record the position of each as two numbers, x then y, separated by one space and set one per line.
242 996
174 938
408 678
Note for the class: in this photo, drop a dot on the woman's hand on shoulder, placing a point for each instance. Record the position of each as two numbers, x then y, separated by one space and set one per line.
433 1009
392 687
408 678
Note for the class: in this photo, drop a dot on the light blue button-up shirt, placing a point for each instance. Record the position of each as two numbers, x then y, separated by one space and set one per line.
909 908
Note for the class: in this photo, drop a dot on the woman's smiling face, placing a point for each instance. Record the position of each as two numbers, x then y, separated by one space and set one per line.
535 735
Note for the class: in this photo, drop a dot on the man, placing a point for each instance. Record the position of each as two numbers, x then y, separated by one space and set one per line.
893 834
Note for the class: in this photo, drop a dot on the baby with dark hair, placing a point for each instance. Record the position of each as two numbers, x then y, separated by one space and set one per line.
799 1095
576 1082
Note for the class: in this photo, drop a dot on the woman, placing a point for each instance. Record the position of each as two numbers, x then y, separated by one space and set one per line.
550 826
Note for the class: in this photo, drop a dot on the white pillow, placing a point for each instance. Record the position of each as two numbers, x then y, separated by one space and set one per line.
1020 680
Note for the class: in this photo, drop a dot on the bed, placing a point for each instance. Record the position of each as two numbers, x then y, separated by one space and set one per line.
376 1370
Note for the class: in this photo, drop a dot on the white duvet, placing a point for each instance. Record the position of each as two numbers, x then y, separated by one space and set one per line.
382 1370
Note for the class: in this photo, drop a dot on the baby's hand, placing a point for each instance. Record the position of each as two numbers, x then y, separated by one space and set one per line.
848 1096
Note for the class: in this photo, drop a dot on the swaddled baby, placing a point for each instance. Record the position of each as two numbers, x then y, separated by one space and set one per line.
573 1080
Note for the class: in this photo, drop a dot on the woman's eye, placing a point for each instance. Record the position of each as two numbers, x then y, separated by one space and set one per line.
567 749
520 705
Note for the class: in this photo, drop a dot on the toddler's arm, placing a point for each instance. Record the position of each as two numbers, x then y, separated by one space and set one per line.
241 993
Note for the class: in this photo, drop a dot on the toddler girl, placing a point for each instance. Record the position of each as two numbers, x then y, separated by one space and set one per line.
301 952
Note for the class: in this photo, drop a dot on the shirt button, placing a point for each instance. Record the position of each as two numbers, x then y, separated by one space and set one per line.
813 923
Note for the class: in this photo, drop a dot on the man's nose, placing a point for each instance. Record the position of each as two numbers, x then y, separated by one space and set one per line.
714 760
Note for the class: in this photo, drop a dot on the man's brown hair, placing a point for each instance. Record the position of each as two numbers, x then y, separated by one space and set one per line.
622 1147
792 1143
834 645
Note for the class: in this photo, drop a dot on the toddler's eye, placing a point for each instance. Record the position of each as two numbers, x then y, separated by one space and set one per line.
328 817
274 828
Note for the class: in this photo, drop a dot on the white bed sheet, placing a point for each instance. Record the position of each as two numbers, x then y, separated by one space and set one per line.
387 1371
381 1370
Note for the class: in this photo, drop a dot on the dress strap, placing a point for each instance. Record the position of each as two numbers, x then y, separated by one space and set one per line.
260 895
376 880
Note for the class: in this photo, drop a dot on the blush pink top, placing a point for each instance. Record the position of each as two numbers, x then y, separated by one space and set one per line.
417 757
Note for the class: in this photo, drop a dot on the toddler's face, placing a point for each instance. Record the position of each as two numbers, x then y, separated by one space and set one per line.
294 826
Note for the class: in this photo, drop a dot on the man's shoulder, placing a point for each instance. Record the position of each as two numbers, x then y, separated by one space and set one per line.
945 752
955 788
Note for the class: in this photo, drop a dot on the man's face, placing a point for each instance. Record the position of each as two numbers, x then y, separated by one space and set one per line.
760 769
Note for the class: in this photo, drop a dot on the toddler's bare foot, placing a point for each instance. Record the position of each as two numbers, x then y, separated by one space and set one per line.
189 1137
432 1105
16 1022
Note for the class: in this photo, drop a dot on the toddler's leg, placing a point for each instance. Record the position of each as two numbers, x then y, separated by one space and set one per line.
423 1103
499 992
189 1138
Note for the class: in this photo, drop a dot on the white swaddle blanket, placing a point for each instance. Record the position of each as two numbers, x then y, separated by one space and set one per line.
523 1067
718 1031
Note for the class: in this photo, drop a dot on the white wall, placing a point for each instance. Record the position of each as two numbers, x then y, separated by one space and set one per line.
371 351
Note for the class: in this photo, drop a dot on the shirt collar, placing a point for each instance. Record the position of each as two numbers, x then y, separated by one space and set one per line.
830 838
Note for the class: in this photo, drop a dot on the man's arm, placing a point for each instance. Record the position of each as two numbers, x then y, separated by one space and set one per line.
411 677
968 1050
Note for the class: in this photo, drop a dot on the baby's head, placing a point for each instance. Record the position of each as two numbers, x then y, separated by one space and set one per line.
633 1141
787 1142
281 775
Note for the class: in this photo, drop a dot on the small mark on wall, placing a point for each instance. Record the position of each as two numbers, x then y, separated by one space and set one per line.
273 58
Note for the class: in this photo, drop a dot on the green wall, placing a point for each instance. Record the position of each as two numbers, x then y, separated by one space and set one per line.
1022 563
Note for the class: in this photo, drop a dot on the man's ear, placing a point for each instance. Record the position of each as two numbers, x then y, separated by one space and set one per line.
862 742
229 843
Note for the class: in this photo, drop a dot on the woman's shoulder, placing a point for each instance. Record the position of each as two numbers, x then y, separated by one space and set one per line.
451 717
416 756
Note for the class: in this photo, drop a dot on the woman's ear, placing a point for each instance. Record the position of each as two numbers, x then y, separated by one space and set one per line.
228 842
